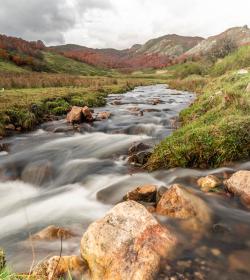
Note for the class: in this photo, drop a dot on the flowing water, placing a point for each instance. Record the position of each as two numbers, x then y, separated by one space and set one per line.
69 177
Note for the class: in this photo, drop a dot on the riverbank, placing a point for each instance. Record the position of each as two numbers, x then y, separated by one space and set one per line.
214 129
42 98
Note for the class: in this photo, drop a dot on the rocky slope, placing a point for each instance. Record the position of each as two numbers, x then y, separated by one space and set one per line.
236 35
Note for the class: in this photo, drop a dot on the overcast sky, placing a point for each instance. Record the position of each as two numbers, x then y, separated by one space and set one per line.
118 23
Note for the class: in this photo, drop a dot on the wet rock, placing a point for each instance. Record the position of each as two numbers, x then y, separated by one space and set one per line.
134 109
151 110
59 267
179 202
53 233
248 88
10 127
127 243
239 261
63 129
79 114
160 193
221 228
138 147
116 102
2 259
38 173
103 115
239 184
146 193
155 101
140 158
208 183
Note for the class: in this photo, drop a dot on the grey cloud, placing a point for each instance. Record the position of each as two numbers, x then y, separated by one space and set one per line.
44 19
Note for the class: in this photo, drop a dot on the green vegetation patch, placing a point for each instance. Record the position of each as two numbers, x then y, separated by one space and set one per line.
215 129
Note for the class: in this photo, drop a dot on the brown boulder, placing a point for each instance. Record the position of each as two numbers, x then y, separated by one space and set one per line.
239 184
208 183
127 243
79 114
53 233
10 127
179 202
59 267
103 115
116 102
146 193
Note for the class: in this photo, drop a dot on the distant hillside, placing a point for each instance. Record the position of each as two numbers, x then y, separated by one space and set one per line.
170 45
237 35
156 53
18 55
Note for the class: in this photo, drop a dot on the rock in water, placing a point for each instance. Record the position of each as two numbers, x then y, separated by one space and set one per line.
75 115
53 233
208 183
239 184
178 202
138 147
103 116
58 267
146 193
127 243
79 114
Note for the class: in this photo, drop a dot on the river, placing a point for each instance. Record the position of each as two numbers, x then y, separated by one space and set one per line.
57 176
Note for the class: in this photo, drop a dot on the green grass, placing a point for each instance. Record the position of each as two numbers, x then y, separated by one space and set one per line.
6 66
25 108
59 64
215 129
237 60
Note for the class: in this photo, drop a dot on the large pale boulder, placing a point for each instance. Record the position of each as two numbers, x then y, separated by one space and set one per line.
103 115
239 184
59 267
79 114
53 233
127 243
179 202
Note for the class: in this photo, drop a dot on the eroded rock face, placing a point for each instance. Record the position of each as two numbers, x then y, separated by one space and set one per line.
58 267
239 184
146 193
126 244
208 183
179 202
79 114
53 233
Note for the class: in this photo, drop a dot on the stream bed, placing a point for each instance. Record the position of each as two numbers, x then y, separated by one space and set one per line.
60 176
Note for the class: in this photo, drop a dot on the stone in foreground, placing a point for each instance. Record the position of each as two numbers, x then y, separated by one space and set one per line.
127 243
239 184
208 183
59 267
179 202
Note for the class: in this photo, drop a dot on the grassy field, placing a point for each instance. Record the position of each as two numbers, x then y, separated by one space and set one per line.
215 130
26 107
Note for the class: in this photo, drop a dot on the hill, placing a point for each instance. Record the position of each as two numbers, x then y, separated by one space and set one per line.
156 53
18 55
233 37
